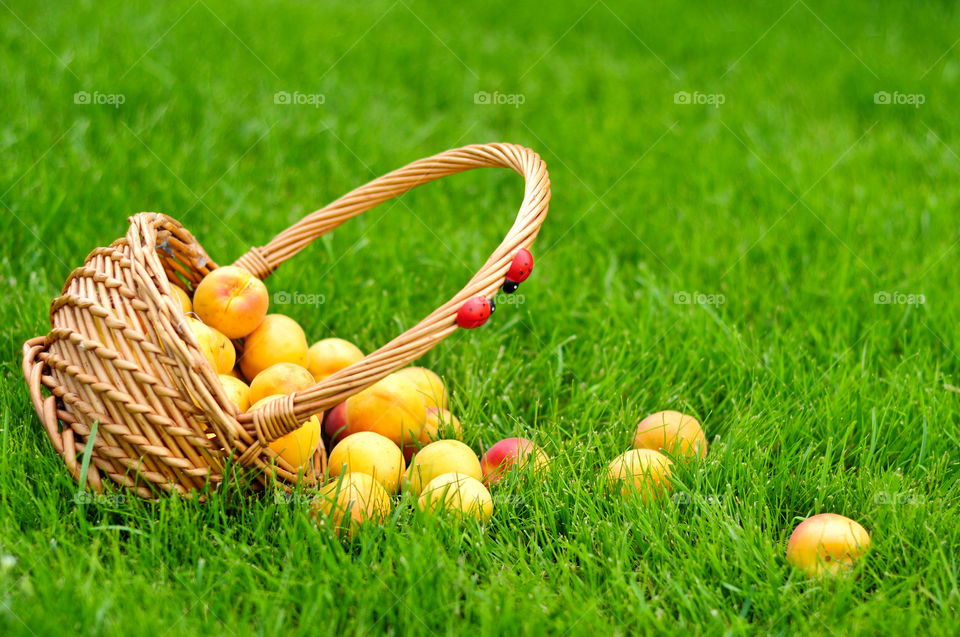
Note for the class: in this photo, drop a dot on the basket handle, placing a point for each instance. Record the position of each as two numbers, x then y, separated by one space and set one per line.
282 416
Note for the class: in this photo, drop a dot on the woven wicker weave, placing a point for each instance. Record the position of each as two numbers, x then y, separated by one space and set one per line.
119 354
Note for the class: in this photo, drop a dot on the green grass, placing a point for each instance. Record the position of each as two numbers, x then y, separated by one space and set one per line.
796 201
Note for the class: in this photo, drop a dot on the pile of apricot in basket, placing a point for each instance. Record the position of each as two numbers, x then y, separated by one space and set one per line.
397 435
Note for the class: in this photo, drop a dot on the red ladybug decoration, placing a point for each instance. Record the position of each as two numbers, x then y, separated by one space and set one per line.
475 312
520 269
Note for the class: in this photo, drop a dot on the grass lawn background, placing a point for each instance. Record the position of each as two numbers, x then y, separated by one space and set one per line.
796 203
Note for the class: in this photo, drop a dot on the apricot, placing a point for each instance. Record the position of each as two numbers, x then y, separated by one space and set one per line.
370 453
224 351
352 500
329 356
457 493
209 343
282 378
390 407
640 470
263 401
438 425
827 544
278 339
437 458
512 453
237 391
335 423
429 385
677 434
298 446
231 300
182 297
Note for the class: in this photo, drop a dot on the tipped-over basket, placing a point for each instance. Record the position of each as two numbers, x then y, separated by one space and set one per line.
119 354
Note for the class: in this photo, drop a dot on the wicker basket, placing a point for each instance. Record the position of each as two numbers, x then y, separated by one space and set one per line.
119 355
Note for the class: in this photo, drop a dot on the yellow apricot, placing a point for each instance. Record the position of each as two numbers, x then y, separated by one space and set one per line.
351 500
371 453
237 391
437 458
330 355
278 339
457 493
282 378
827 544
428 385
391 407
207 340
298 446
182 297
640 470
224 351
231 300
440 424
672 432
